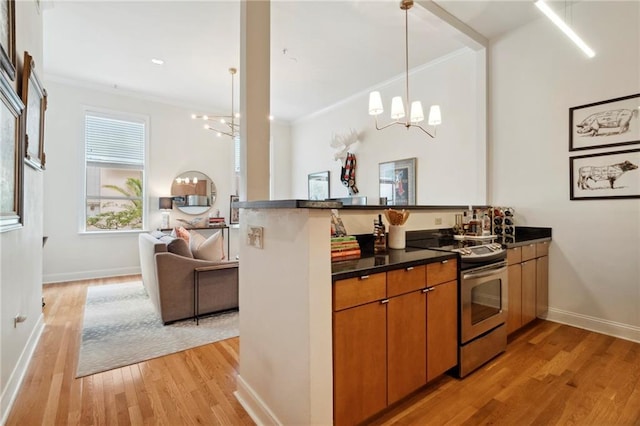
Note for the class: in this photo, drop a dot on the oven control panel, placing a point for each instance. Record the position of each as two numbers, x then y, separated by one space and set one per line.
480 252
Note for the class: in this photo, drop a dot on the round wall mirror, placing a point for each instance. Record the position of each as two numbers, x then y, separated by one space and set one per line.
193 192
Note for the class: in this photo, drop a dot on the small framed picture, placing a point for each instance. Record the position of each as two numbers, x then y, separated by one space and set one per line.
607 175
8 38
397 181
234 212
11 165
318 185
34 97
603 124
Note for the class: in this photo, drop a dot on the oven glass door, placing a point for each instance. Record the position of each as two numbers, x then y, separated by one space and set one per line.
483 300
486 300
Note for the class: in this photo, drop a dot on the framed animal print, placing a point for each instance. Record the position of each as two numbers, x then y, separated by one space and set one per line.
605 176
604 124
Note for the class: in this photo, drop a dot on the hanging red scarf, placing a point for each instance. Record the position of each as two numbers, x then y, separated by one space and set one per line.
348 176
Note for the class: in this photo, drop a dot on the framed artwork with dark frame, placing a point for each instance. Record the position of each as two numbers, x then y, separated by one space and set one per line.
11 165
606 175
603 124
397 181
34 97
8 38
234 212
318 184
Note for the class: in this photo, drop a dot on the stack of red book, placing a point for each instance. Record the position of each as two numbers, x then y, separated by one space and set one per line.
216 221
344 248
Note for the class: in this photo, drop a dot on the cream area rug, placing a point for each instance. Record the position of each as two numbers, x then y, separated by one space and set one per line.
121 327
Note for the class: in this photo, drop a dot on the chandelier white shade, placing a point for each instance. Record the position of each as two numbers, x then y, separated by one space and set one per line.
398 106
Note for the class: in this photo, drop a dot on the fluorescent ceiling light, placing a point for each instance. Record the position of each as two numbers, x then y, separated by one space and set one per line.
157 61
565 28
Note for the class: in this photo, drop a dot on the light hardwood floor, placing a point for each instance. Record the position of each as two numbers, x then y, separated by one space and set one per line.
550 374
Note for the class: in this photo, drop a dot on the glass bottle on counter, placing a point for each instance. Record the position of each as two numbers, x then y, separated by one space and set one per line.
379 236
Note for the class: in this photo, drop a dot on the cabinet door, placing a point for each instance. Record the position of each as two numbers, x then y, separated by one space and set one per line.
514 298
542 286
359 363
528 291
442 329
406 344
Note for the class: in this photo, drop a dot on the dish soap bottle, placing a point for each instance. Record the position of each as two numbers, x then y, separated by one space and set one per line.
379 237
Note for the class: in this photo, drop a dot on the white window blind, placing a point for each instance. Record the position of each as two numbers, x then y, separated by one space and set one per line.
114 141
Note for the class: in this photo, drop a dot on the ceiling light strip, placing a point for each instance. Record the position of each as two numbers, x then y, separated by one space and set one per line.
565 28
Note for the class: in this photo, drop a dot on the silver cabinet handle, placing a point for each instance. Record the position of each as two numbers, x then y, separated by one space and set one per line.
384 301
364 277
444 261
428 289
410 268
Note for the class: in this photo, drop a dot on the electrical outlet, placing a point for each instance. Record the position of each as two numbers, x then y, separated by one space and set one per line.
438 221
254 236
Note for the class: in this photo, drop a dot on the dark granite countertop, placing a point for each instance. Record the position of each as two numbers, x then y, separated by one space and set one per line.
393 259
526 235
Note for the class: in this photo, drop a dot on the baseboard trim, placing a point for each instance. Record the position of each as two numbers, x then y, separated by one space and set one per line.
599 325
10 392
89 275
254 405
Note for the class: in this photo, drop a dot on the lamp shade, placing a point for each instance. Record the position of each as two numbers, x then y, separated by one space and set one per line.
397 108
375 103
417 115
166 203
434 115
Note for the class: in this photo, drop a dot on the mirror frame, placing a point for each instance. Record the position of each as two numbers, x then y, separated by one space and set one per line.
189 201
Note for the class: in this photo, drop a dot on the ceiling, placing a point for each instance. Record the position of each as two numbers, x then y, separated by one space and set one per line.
321 51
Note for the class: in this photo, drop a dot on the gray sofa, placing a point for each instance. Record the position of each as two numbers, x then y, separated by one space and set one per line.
168 279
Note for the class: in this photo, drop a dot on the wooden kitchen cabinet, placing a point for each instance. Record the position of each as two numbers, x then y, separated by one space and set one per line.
359 359
542 280
442 329
407 343
528 284
514 297
528 291
387 344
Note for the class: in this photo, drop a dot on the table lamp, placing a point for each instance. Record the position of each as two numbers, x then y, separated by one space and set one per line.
165 205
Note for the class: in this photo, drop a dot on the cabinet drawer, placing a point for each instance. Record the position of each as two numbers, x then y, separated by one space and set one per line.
528 252
514 255
358 291
405 280
542 249
441 272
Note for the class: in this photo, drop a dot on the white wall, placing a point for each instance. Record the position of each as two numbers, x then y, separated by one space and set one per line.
176 144
21 249
537 74
447 166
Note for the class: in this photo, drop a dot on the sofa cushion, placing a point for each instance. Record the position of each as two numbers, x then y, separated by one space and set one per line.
180 247
181 232
211 249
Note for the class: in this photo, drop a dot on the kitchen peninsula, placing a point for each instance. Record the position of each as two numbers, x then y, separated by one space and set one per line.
286 355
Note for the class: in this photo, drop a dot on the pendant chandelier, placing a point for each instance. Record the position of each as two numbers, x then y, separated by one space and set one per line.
398 106
226 125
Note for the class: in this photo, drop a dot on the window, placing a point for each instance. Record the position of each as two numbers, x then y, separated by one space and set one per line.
114 179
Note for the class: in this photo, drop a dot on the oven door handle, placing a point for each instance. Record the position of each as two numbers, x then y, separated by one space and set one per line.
483 273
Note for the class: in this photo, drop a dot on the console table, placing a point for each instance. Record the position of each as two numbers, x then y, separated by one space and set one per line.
209 228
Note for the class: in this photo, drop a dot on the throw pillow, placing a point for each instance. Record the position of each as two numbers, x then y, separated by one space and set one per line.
183 233
180 247
211 248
